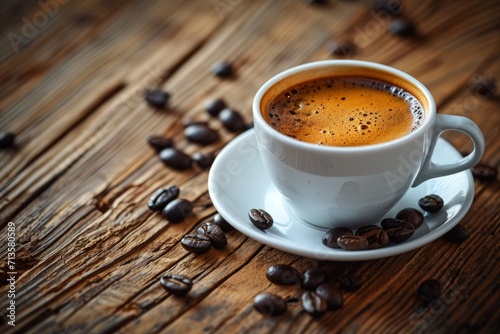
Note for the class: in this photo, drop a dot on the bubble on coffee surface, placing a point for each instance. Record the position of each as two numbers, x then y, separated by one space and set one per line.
344 111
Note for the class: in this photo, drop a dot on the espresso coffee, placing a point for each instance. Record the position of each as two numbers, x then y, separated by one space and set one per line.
344 111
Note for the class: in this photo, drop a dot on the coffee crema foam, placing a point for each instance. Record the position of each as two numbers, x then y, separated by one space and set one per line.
344 111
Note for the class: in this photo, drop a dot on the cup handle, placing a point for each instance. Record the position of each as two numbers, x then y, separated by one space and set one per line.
430 169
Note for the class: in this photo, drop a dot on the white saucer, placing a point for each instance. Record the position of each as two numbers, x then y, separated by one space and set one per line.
238 182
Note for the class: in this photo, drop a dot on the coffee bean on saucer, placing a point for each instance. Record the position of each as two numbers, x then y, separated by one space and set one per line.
458 233
330 237
402 27
398 230
350 282
162 197
7 139
331 294
482 86
283 274
353 242
232 120
214 107
484 173
177 210
377 237
156 97
215 234
314 304
343 48
175 158
203 160
222 69
178 285
260 218
412 216
429 290
222 223
269 304
313 278
431 203
159 142
196 243
367 228
201 134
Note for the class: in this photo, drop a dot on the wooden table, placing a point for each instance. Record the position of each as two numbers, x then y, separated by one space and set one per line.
90 253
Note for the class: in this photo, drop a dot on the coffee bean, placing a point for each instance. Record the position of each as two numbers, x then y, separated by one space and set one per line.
178 285
175 158
402 27
350 282
260 218
317 2
196 243
7 139
367 228
458 233
312 278
177 210
484 173
223 70
215 234
214 107
330 237
159 143
156 97
343 48
188 122
204 160
283 274
269 304
412 216
376 237
222 223
201 134
313 304
162 197
232 120
390 6
398 230
431 203
482 86
331 294
429 290
353 242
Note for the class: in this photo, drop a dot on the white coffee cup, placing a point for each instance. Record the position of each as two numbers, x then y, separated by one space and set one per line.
351 186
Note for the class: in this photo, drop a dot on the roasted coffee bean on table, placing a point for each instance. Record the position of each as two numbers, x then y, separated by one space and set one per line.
398 230
7 139
175 158
484 173
260 218
343 48
156 97
458 233
353 242
159 143
177 210
350 282
429 290
196 243
214 107
162 197
223 69
178 285
269 304
283 274
232 120
482 86
222 223
314 304
215 234
402 27
203 160
412 216
313 278
330 238
331 294
377 237
201 134
431 203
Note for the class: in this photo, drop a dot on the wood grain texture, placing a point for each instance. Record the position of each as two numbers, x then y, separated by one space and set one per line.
90 253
